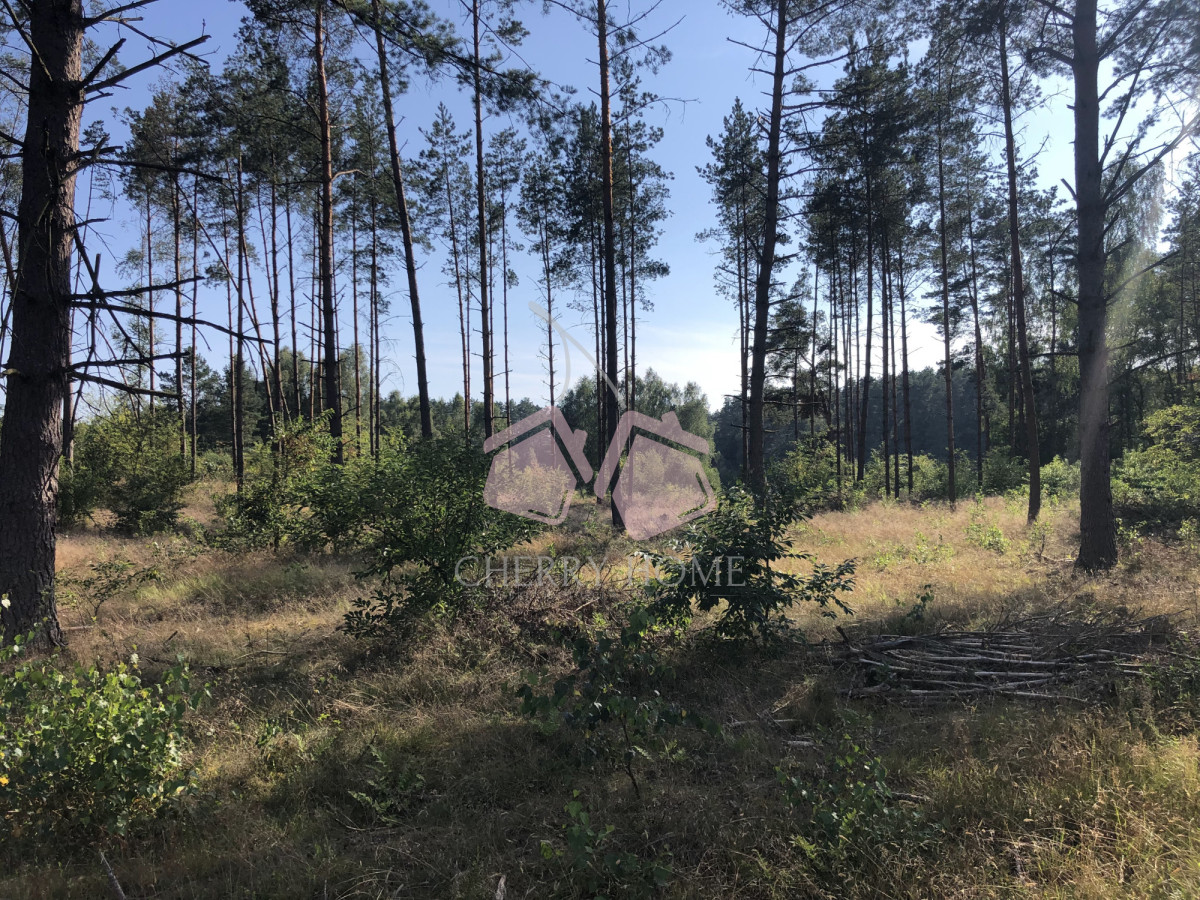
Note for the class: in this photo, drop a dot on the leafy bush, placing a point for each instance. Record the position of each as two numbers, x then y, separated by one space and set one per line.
983 532
273 506
426 527
1161 483
1060 479
615 682
1003 472
80 492
808 475
87 751
597 866
852 812
728 557
128 462
931 477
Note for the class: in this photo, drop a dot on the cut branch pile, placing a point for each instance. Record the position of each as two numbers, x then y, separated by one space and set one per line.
1052 656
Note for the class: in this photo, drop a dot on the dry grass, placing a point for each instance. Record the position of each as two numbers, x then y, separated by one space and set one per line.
1032 801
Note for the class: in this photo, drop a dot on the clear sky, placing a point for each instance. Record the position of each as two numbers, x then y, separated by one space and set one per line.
691 333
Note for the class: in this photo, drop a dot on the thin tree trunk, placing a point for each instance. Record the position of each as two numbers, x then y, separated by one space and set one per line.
481 200
176 228
410 262
239 405
980 372
354 314
1014 236
195 313
945 263
287 215
610 241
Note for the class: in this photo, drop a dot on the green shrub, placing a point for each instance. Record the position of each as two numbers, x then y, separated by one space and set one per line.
808 475
1003 472
728 556
87 752
425 528
1161 483
612 693
852 812
80 492
600 868
983 532
1060 479
931 477
274 505
129 463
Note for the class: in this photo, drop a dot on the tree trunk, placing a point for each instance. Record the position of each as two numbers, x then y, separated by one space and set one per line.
333 396
766 261
1014 237
942 226
31 439
610 239
485 322
1097 526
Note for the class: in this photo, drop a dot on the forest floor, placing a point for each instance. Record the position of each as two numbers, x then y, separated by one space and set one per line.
330 768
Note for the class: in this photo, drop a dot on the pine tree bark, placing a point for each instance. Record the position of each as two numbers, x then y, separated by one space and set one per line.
610 240
952 488
333 397
1097 526
485 322
37 368
766 261
1014 237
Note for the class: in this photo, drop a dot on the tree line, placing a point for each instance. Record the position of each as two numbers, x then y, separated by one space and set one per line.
848 208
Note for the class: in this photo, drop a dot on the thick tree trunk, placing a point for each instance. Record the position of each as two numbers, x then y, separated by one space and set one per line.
38 378
1097 526
766 261
1014 237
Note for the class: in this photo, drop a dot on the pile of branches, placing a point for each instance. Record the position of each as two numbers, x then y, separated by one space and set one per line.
1059 655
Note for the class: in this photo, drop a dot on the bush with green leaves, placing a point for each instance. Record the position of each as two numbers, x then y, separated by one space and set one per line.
1003 472
735 556
273 506
426 530
1161 483
851 812
983 531
85 751
614 687
597 866
1060 479
128 462
808 475
931 477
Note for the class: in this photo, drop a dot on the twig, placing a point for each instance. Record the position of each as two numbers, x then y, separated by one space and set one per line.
113 884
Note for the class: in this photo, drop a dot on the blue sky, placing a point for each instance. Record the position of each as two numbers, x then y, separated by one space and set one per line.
691 333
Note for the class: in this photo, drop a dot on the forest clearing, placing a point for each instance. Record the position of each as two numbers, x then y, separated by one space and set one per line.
591 449
408 770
